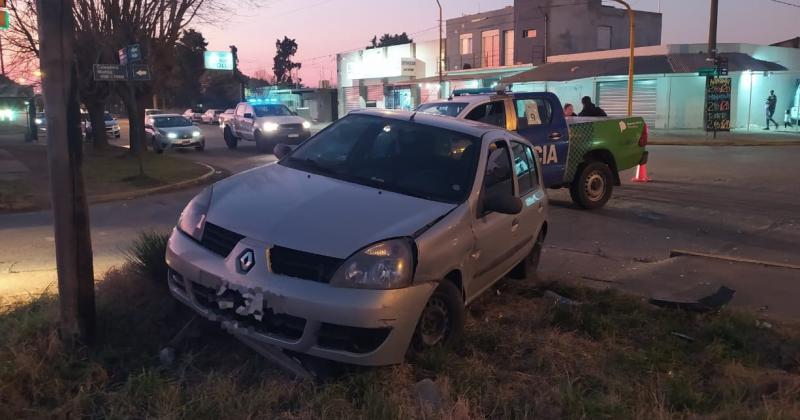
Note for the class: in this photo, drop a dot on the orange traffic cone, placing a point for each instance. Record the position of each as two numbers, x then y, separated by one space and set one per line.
641 174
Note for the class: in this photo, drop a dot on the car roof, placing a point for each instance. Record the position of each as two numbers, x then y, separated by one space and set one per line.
469 127
469 99
166 115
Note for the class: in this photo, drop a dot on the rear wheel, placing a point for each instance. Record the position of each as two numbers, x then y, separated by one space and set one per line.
230 140
442 319
592 186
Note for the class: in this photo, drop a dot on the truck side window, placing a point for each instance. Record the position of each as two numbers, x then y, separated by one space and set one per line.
493 113
497 179
533 112
524 168
240 110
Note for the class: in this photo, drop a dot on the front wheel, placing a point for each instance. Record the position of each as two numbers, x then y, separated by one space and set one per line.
442 319
230 140
262 145
592 186
200 148
156 147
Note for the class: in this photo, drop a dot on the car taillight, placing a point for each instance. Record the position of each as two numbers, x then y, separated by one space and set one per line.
643 138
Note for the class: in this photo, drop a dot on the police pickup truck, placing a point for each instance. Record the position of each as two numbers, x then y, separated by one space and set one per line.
580 153
265 123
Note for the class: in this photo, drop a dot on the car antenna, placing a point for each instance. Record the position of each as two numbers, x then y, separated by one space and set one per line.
412 116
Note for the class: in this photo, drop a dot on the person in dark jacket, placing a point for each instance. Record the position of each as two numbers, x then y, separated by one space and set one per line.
769 107
590 109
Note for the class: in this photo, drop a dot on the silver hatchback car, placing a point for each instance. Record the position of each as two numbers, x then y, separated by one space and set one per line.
366 239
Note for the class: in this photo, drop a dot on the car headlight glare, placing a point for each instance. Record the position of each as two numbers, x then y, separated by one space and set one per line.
172 136
195 134
38 121
384 265
193 217
306 125
270 126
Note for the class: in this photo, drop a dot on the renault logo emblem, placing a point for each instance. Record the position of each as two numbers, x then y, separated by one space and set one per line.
247 260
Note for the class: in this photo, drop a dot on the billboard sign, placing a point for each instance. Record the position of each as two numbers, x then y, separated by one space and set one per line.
218 60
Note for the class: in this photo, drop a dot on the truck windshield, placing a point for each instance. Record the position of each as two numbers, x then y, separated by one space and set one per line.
388 154
451 109
271 110
171 122
108 117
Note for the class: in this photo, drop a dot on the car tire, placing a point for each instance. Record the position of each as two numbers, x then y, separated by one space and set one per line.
526 269
592 186
442 319
156 147
262 145
230 140
200 148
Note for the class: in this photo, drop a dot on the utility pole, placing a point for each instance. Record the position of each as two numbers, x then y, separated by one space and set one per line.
441 52
64 153
632 41
712 29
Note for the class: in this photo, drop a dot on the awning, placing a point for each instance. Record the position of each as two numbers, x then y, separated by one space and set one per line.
653 64
471 75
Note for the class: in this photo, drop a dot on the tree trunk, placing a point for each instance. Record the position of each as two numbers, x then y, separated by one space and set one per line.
97 117
135 118
64 149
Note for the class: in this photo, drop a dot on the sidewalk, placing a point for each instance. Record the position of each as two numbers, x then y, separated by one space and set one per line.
738 137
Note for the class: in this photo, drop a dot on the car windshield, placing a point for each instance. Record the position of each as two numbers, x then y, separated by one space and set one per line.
277 110
451 109
108 117
171 122
399 156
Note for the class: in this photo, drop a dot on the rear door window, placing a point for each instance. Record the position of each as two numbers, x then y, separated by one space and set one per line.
533 112
493 113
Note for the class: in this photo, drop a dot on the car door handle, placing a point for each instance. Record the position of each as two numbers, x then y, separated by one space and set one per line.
514 225
555 136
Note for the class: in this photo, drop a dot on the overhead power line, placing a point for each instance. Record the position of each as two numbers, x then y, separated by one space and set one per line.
786 3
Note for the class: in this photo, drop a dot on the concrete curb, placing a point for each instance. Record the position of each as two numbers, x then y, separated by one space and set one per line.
749 143
683 253
128 195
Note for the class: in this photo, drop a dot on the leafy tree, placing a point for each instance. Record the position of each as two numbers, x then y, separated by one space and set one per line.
189 68
387 40
283 64
219 89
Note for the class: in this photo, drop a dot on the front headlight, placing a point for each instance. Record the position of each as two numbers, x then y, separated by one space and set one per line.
195 134
384 265
172 136
306 125
193 217
270 126
38 121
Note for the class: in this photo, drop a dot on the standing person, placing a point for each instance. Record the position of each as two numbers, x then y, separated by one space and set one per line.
772 101
569 110
787 119
590 109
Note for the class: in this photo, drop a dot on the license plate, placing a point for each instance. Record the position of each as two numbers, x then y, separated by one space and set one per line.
186 142
294 136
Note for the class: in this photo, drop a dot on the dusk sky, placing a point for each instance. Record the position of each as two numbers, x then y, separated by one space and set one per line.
324 27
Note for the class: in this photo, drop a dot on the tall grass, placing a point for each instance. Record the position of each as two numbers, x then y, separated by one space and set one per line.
146 255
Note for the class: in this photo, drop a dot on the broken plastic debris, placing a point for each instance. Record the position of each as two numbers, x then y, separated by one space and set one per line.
225 304
709 303
683 336
561 300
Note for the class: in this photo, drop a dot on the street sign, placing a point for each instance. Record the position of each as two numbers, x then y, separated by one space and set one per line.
110 72
707 71
134 53
139 72
218 60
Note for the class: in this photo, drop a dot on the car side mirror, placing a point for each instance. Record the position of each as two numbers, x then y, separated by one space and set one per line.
502 203
248 115
282 150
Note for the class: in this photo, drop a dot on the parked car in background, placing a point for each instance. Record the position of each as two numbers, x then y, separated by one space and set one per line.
194 114
111 125
225 117
173 131
211 116
41 121
580 153
266 125
367 239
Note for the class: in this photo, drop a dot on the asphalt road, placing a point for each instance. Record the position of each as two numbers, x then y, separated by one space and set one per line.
735 201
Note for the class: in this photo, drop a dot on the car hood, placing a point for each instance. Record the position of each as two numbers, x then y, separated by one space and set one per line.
282 206
111 123
284 119
180 131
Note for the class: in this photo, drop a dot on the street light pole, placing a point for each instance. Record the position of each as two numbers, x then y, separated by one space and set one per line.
712 29
630 59
441 52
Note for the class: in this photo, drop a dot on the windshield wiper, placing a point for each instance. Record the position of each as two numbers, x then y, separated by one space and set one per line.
312 164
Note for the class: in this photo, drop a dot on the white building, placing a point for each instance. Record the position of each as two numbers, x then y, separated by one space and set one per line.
668 92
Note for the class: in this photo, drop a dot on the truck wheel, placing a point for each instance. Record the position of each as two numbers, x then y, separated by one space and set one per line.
442 319
527 267
262 145
156 147
592 187
230 140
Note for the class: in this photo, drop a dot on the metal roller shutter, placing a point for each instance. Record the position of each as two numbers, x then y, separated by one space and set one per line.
375 93
613 98
352 98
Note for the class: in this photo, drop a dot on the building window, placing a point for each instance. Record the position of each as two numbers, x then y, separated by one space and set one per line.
603 37
508 40
529 33
491 48
466 44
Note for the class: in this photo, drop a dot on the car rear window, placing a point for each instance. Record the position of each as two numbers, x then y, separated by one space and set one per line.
451 109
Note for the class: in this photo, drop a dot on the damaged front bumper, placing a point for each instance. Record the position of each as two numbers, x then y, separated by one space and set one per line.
357 326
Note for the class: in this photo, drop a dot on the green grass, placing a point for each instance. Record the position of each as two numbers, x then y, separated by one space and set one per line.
612 356
15 195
